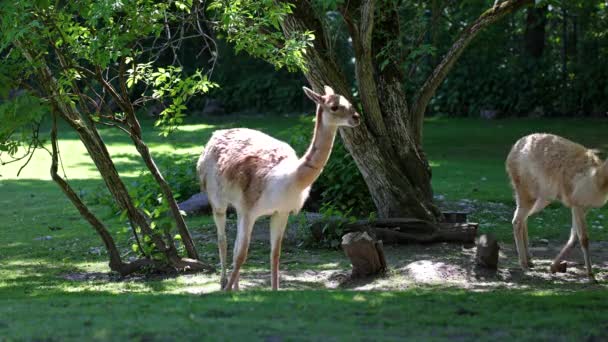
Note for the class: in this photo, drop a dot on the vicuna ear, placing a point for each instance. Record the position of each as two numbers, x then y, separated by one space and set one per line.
328 90
312 95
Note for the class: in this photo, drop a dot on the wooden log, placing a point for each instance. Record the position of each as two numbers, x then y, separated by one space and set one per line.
403 230
365 254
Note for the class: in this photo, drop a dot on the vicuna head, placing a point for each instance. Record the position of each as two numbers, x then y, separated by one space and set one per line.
601 180
337 110
593 191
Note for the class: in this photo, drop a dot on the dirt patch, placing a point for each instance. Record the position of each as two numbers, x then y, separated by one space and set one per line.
443 265
413 265
87 276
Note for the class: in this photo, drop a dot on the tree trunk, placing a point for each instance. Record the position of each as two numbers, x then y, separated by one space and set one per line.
394 167
534 35
387 146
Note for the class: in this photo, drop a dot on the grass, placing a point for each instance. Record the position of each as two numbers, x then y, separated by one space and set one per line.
43 239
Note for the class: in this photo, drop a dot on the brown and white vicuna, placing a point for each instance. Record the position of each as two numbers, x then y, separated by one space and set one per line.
259 175
544 168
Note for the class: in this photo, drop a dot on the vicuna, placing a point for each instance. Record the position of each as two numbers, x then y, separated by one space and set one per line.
259 175
546 167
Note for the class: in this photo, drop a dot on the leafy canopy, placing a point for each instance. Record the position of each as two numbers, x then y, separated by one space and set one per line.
83 44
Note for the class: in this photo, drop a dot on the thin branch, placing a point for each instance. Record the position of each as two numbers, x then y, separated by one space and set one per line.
427 91
26 162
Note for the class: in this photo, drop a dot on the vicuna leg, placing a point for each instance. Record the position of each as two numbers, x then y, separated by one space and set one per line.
567 247
581 231
241 246
520 229
277 228
539 205
219 216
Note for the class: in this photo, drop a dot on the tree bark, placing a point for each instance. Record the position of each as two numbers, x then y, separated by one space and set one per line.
534 35
394 168
116 263
387 146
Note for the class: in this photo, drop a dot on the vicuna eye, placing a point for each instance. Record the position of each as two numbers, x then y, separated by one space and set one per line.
334 108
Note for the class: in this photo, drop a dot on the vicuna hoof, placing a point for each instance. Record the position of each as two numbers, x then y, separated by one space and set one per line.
530 262
559 268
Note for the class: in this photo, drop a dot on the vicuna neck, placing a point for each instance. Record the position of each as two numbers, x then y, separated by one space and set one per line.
312 162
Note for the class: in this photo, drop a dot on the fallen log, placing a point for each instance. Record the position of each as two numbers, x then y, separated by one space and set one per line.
401 230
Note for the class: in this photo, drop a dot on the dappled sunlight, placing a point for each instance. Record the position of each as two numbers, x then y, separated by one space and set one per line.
196 127
427 271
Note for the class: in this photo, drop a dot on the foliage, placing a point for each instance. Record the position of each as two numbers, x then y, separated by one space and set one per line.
169 85
333 229
95 63
254 26
20 115
495 72
252 85
568 78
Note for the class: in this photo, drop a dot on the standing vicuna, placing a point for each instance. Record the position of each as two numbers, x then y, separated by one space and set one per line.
259 175
544 168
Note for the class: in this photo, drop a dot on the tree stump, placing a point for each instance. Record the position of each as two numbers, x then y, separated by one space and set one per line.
487 251
365 254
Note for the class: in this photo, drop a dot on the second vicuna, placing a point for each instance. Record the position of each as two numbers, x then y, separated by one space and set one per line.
546 167
259 175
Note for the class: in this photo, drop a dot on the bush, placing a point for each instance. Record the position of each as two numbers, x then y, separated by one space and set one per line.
252 85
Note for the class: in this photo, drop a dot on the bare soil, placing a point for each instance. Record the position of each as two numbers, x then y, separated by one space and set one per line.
439 264
411 265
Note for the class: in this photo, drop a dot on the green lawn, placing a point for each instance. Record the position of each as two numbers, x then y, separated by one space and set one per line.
38 302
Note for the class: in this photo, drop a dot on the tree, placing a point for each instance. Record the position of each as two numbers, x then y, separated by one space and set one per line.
388 47
92 63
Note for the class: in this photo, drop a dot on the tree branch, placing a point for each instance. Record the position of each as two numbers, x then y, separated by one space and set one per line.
427 91
360 23
115 260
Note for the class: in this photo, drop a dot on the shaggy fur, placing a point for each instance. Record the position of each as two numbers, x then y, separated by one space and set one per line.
544 168
259 175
